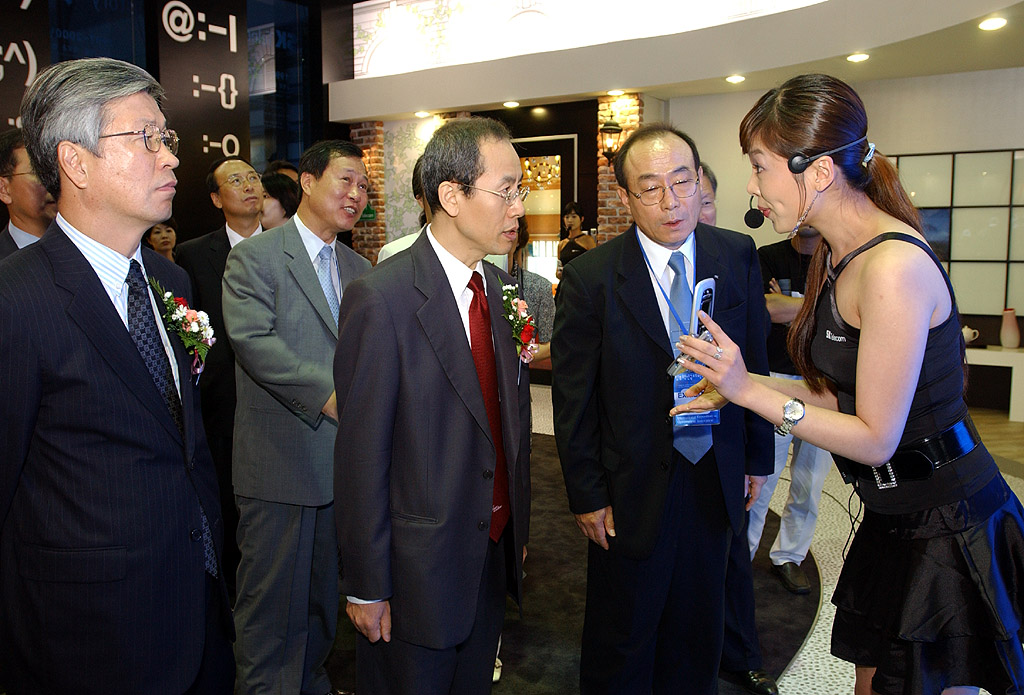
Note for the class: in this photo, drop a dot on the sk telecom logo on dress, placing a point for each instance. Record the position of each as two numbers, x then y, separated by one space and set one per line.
835 338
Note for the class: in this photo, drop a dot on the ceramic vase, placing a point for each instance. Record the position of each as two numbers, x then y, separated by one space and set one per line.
1009 332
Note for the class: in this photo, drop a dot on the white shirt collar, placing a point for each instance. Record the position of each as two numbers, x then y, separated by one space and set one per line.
20 236
234 237
311 241
458 273
110 266
658 255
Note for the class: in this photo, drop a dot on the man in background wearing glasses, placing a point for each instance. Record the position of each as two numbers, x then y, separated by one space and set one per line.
30 207
236 191
432 457
281 294
110 528
656 501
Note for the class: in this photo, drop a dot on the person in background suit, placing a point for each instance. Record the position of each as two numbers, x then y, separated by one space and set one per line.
282 289
30 206
432 455
656 501
109 526
234 191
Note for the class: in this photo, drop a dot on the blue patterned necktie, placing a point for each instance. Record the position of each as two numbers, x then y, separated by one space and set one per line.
323 274
146 335
692 441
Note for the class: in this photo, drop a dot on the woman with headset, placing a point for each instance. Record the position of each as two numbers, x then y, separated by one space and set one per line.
928 600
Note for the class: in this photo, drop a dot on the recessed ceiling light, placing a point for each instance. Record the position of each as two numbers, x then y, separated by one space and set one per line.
857 57
510 104
422 114
992 23
735 79
615 92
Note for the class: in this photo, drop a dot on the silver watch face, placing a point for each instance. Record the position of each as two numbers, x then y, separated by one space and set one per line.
794 410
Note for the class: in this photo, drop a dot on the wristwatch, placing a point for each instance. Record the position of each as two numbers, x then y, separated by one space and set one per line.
792 413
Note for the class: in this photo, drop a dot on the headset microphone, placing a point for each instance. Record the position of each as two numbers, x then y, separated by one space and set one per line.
798 163
753 218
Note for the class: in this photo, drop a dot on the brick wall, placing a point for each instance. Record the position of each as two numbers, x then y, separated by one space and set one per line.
612 216
368 236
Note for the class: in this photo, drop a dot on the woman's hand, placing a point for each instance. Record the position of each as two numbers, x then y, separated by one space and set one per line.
720 361
705 397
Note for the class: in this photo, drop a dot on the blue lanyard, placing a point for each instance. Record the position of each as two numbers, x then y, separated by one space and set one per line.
684 326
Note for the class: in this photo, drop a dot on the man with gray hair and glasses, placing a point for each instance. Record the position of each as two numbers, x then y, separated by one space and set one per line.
110 530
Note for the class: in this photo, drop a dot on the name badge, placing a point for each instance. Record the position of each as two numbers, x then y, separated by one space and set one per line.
680 383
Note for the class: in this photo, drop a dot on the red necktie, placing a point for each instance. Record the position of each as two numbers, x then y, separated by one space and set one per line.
482 346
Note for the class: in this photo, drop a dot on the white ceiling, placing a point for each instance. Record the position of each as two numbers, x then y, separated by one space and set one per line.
905 38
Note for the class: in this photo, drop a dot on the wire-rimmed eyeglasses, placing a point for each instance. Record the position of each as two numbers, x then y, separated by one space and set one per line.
684 188
509 196
153 136
237 180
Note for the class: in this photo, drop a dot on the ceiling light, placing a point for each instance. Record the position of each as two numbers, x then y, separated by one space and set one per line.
510 104
615 92
992 23
735 79
857 57
422 114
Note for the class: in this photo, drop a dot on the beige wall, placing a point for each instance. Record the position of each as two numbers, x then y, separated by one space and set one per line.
941 113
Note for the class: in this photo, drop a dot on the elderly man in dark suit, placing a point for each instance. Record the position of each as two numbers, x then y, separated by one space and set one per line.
432 456
281 295
235 190
30 206
656 501
109 522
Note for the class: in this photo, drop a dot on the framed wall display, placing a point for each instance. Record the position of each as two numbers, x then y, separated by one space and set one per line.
972 207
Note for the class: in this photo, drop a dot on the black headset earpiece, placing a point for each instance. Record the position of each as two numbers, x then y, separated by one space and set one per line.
798 163
753 218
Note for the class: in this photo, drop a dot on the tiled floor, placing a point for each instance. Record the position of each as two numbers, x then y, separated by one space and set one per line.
815 671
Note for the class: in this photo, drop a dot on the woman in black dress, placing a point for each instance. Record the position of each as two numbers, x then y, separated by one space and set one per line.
574 239
928 599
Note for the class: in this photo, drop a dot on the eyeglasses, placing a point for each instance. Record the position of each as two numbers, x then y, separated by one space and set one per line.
20 173
153 136
510 195
237 180
685 188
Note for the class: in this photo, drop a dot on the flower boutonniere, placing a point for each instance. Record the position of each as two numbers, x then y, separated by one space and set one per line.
193 327
524 331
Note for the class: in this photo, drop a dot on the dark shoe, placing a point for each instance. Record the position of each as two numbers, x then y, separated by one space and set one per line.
793 578
758 682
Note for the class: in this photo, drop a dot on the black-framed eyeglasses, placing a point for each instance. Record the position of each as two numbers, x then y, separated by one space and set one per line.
153 136
237 180
684 188
509 196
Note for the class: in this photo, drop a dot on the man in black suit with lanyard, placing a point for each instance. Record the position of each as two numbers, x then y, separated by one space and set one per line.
657 502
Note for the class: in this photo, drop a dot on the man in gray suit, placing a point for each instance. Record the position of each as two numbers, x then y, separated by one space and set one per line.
282 291
30 207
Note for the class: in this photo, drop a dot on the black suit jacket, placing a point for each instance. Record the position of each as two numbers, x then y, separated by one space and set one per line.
7 245
414 458
611 394
102 581
204 259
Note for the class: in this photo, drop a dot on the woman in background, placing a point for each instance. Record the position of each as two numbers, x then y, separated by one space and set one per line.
162 238
280 199
928 601
574 239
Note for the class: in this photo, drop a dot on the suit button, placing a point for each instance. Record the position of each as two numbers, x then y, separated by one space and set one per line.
196 535
664 465
488 474
482 526
192 464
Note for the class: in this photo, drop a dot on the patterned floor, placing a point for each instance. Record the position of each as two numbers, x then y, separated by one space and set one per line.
814 671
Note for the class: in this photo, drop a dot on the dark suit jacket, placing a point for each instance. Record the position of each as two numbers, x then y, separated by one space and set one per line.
611 394
7 245
203 259
414 459
102 586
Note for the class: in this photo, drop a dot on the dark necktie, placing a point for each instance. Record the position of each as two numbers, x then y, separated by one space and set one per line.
482 345
144 331
692 441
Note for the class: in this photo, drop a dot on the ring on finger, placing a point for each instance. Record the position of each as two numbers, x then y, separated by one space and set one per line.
718 353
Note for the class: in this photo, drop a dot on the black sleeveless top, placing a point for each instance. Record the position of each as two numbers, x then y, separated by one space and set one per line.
938 398
571 251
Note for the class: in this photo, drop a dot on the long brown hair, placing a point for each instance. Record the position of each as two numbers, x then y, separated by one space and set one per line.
809 114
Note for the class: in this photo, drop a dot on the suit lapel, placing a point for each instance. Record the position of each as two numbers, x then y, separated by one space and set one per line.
637 293
507 364
219 248
708 261
301 269
89 307
442 324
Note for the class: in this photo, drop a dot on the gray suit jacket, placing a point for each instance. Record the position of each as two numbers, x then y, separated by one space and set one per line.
284 338
415 458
